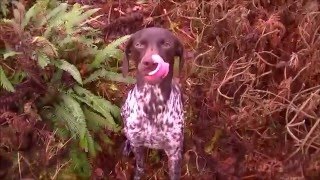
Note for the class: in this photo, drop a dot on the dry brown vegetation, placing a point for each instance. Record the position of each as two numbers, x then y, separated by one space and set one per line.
251 84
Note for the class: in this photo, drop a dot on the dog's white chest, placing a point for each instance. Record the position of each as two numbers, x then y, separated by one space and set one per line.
151 122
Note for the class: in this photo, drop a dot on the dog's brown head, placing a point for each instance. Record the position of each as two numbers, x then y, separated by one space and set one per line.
147 44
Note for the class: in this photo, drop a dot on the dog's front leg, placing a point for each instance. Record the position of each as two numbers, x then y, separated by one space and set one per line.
174 163
139 156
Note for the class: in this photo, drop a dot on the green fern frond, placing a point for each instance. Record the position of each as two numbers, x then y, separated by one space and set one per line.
100 105
70 68
39 6
84 143
75 110
81 14
55 21
4 7
103 73
106 139
7 21
64 114
70 18
4 81
56 77
95 101
69 111
109 51
95 121
89 43
79 163
43 60
63 133
76 16
61 9
91 145
97 146
18 77
10 54
60 126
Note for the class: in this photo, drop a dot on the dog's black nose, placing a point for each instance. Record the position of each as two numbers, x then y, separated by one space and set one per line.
149 64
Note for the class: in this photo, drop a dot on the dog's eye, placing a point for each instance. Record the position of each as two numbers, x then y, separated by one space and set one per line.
166 45
139 45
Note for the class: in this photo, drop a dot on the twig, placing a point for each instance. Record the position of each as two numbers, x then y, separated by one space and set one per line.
59 169
19 166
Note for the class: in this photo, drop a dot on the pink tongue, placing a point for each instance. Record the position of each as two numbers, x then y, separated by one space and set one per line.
161 70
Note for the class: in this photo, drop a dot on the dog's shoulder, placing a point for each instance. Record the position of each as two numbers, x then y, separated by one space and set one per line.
129 101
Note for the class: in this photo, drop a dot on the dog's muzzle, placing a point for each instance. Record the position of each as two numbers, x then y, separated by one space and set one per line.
155 68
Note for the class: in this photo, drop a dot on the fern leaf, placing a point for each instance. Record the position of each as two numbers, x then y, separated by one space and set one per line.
109 51
4 81
79 163
4 7
84 16
64 115
90 20
84 143
55 12
76 112
91 145
73 14
18 77
61 129
95 121
71 113
34 11
97 146
10 54
100 105
106 139
43 60
7 21
90 43
76 16
70 68
63 133
55 21
56 77
103 73
97 100
118 42
104 55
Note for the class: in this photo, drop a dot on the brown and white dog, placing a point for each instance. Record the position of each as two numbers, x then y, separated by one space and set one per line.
153 111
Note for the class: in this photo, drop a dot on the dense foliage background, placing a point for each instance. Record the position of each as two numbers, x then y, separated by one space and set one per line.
251 87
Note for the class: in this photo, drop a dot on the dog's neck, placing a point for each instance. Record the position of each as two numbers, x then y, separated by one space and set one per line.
154 97
164 87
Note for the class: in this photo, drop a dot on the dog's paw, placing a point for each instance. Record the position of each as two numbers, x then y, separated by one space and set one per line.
127 148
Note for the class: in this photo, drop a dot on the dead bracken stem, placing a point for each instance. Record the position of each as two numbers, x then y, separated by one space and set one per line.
19 166
58 169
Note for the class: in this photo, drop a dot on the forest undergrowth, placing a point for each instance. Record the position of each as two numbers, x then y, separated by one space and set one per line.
250 83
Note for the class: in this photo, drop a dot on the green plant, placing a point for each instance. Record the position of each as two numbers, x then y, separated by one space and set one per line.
4 81
4 8
48 42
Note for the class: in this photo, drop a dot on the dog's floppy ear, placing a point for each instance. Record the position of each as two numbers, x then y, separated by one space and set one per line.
180 54
125 61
